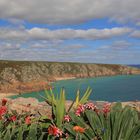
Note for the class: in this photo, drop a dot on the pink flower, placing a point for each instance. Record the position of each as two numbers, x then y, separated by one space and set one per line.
3 110
55 131
28 120
80 109
13 118
67 118
106 108
90 106
4 101
78 113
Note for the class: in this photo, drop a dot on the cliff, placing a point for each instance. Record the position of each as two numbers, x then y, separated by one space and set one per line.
26 76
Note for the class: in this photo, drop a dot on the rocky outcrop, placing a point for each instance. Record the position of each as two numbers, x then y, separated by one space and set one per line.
35 107
25 76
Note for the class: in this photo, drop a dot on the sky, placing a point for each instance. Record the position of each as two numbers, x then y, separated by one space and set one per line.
88 31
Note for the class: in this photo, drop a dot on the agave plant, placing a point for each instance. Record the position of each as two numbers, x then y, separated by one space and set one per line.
59 113
84 98
58 102
59 109
51 99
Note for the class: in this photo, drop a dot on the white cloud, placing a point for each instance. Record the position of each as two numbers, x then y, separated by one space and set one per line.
74 53
119 45
7 46
61 34
138 23
68 12
136 34
13 34
17 42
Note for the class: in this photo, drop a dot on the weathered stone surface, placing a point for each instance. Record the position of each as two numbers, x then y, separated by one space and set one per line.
23 104
32 105
25 101
135 105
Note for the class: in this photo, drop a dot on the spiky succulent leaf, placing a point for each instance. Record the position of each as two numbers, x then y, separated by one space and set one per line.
85 97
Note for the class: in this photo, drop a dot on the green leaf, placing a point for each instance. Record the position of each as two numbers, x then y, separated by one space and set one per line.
86 95
32 132
20 133
7 135
77 98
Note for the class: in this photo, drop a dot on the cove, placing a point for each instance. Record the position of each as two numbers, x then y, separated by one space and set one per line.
112 88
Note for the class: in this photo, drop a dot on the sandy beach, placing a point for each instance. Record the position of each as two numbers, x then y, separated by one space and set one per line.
64 78
6 95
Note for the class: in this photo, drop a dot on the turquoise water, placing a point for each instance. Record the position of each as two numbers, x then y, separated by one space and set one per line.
114 88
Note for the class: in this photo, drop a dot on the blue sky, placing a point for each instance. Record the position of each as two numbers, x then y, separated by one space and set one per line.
89 31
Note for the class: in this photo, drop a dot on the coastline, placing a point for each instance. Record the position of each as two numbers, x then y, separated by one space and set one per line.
64 78
35 76
6 94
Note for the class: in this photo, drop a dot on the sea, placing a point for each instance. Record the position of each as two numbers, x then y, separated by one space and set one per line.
112 88
136 66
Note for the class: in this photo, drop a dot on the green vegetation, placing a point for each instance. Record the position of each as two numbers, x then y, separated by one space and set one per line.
118 124
82 120
25 71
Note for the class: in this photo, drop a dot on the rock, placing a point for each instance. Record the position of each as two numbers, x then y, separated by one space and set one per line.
33 106
135 105
100 104
24 104
26 101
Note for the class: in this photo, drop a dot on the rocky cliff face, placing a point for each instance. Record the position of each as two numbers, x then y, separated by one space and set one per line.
21 76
